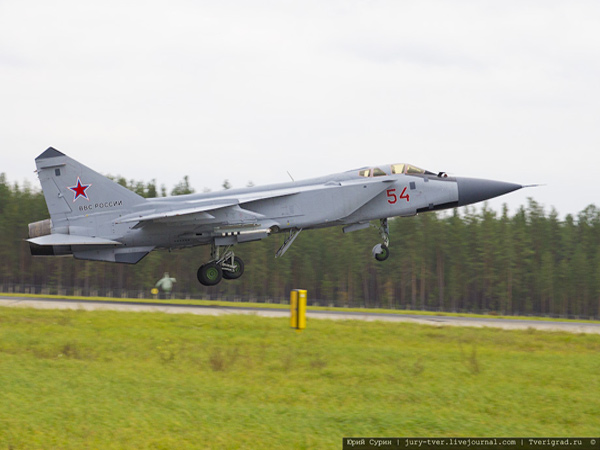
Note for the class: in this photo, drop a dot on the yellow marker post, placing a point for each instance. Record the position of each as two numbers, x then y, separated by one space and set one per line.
298 309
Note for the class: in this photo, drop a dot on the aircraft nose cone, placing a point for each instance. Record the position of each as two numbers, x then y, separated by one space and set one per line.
473 190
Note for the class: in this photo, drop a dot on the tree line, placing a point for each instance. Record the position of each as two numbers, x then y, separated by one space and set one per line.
469 259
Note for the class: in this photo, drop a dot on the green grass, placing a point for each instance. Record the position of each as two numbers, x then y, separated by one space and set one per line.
112 380
286 306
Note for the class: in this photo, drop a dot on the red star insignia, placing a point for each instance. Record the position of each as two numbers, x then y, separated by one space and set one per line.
79 190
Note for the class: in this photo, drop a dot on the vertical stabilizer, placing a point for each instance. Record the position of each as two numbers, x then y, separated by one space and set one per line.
73 190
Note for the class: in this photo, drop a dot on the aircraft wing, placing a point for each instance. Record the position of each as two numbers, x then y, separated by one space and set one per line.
200 209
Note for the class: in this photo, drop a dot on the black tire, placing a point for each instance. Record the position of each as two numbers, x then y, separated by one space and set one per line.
210 274
238 272
385 253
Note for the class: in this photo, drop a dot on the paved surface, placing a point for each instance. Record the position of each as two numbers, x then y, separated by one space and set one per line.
514 324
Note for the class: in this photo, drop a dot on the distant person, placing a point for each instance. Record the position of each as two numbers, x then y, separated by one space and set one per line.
165 284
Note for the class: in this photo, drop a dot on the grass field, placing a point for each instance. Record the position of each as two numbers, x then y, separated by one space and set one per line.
79 379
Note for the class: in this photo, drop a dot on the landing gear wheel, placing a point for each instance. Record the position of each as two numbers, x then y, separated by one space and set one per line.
210 274
381 252
238 270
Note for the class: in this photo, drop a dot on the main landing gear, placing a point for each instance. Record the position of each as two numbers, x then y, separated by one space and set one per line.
381 252
228 266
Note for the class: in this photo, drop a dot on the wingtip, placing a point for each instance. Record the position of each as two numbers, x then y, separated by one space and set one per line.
50 152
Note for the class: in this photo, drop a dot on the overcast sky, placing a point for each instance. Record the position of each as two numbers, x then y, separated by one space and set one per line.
248 90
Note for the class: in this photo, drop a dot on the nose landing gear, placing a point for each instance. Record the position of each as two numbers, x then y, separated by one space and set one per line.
381 252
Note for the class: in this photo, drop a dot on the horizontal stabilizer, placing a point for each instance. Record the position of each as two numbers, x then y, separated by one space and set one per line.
125 255
69 239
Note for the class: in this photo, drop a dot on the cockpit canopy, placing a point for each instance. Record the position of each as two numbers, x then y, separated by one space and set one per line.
393 169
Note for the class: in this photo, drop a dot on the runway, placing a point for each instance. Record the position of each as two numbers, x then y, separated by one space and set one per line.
171 308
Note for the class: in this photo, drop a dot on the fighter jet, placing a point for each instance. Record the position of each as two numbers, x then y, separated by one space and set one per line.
94 218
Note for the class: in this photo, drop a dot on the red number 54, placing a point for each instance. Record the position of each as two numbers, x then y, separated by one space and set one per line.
392 198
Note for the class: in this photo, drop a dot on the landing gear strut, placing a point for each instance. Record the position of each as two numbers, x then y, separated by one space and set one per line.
228 266
381 252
